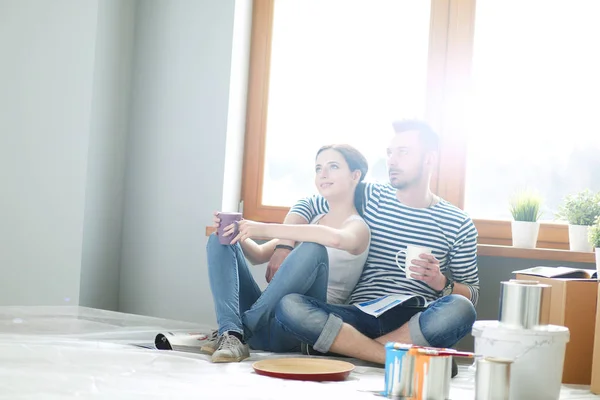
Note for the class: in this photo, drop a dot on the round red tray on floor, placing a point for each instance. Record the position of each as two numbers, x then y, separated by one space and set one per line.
304 369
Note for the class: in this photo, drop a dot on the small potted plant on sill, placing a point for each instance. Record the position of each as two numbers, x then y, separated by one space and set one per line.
580 210
595 242
525 210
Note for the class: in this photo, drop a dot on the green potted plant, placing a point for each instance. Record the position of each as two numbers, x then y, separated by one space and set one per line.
580 210
525 208
595 242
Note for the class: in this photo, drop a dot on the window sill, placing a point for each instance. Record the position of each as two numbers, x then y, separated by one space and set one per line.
535 254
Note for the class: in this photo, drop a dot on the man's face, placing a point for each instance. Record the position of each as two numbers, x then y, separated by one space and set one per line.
406 160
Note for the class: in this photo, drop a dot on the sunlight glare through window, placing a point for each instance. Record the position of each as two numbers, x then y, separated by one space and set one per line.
341 71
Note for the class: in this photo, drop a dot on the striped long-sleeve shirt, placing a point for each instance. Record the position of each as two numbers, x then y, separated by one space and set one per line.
444 228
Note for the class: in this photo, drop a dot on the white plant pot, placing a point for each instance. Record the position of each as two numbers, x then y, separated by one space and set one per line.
579 238
525 234
597 262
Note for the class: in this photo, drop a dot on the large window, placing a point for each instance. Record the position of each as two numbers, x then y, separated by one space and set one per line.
536 97
341 71
511 86
325 71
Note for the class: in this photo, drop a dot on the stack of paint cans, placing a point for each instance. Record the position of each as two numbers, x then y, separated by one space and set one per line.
520 356
418 373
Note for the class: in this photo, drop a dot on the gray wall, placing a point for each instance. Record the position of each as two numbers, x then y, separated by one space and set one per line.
176 154
109 127
46 66
64 74
492 271
90 90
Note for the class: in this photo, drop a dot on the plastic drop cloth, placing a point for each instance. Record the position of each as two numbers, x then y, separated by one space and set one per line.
77 352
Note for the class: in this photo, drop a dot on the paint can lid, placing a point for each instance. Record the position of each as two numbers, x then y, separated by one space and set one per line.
398 346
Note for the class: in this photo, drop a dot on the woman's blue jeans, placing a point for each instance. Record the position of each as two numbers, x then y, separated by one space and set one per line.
242 307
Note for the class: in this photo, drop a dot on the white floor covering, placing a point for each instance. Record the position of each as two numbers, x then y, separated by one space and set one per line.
77 352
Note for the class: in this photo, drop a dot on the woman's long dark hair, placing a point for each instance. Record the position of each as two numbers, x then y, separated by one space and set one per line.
356 161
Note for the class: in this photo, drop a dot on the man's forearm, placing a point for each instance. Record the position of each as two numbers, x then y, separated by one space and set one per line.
471 292
462 289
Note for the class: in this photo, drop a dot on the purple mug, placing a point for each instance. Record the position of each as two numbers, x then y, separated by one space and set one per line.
228 218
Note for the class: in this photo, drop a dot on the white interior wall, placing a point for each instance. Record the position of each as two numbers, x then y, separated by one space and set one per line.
46 67
109 126
121 130
182 96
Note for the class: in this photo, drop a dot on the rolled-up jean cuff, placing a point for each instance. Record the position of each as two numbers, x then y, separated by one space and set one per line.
329 333
416 335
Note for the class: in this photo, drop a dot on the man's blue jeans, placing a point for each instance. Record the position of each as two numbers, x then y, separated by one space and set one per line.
442 324
241 307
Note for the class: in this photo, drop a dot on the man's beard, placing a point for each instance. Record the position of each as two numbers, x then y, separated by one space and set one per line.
404 184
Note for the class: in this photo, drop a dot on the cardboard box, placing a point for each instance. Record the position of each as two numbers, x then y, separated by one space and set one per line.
572 304
596 359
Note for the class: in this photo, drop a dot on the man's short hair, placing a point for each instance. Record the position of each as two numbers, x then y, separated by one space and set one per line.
427 135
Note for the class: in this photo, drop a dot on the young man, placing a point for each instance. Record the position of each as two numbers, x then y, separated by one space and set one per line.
400 214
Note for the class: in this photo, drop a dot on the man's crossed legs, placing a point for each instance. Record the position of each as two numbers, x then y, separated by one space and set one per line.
345 329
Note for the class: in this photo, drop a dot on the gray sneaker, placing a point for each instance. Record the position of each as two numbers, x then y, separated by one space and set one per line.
230 349
211 344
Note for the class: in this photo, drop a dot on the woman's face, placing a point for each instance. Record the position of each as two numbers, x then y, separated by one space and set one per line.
333 177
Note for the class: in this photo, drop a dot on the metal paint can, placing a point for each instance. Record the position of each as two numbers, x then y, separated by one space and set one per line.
399 367
521 304
492 379
419 373
432 373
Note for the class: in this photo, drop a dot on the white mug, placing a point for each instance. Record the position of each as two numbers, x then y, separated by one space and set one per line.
411 253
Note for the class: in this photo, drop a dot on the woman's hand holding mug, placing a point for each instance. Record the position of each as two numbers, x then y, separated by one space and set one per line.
245 229
226 224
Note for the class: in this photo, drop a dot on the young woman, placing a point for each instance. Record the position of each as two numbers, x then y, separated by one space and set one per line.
341 238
